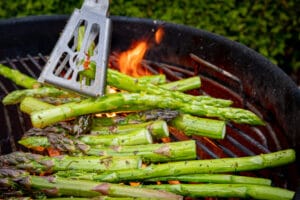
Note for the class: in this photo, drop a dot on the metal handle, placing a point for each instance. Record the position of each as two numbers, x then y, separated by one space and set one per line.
98 6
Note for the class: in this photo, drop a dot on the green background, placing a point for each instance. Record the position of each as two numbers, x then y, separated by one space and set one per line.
270 27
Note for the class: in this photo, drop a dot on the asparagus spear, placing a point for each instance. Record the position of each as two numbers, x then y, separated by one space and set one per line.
136 117
125 82
8 188
31 104
228 190
165 152
69 144
18 95
38 163
158 129
80 126
194 178
153 79
112 101
57 186
214 178
61 128
183 84
18 78
56 141
221 165
192 125
137 136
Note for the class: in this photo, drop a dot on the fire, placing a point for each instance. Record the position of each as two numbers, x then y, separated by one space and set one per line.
129 61
159 34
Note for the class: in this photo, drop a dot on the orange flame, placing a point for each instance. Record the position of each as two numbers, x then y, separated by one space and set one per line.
159 34
130 60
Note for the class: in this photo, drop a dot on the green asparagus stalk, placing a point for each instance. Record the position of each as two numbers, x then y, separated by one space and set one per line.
113 101
221 165
153 79
158 129
214 178
228 191
125 82
18 95
57 186
31 104
61 100
137 136
164 152
136 117
192 125
83 188
183 84
80 126
18 78
69 144
38 163
56 141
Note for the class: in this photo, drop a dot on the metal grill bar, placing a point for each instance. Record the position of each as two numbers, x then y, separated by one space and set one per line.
215 68
27 68
253 142
34 62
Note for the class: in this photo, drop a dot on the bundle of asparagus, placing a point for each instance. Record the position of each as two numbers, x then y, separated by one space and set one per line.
112 149
99 157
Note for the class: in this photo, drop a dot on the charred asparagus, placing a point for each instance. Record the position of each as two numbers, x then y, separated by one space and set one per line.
174 151
38 163
138 136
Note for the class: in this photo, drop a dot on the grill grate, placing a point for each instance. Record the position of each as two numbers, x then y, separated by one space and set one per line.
240 140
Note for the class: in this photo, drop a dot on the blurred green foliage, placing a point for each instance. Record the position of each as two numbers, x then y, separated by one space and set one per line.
270 27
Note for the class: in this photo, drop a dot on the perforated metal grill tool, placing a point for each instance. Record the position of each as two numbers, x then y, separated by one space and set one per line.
83 47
